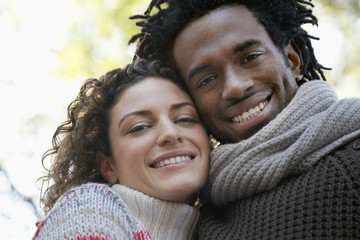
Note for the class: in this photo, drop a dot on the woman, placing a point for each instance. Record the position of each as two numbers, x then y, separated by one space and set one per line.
129 160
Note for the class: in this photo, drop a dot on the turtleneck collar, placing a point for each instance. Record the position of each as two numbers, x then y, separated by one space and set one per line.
163 219
313 125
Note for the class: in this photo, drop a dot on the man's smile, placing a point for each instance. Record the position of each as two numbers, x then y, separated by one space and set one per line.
249 114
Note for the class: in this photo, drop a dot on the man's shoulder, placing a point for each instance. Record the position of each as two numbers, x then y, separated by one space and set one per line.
347 158
348 151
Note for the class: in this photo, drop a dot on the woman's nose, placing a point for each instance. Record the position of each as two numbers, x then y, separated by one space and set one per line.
168 133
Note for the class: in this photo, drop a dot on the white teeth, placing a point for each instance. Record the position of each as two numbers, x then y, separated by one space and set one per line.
245 114
172 160
262 105
252 112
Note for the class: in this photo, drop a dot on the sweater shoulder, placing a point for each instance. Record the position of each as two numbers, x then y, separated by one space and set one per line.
347 159
89 211
321 203
87 190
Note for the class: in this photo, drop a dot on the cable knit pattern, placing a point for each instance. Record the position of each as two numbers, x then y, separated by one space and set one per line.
310 127
163 219
91 211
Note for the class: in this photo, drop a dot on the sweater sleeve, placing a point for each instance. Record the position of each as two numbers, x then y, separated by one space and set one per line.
90 211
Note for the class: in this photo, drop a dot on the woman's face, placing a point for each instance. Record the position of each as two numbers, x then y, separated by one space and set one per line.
158 144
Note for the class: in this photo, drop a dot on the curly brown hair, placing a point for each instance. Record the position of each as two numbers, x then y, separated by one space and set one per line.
85 132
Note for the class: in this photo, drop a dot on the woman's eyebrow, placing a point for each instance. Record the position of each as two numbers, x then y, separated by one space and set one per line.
134 113
148 112
181 105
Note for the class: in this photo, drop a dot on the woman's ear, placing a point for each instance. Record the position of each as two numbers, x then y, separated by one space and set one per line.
295 60
106 167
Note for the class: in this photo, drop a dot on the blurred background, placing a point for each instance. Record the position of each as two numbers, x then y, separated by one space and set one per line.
49 47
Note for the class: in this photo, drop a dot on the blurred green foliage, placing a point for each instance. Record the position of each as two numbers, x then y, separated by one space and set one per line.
100 29
346 14
97 40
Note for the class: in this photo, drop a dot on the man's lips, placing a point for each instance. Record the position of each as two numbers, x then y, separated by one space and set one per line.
250 113
172 158
239 116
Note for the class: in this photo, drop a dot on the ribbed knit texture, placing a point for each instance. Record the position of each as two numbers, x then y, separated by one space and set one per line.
320 204
164 220
297 178
310 127
91 211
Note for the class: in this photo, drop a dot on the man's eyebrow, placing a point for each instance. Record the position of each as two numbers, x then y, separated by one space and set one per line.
238 48
245 45
198 69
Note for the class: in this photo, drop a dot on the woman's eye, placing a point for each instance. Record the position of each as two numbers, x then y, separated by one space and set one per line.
138 128
206 80
186 120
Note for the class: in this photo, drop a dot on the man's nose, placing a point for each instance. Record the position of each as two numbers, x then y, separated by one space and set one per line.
236 84
168 133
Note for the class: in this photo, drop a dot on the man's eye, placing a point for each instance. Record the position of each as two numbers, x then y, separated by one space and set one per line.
138 128
250 57
206 80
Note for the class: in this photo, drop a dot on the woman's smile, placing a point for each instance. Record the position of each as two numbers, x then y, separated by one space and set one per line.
158 147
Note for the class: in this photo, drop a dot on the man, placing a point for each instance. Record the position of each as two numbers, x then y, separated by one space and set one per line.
288 166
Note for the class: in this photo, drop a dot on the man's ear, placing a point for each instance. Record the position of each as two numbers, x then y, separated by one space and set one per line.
293 53
106 167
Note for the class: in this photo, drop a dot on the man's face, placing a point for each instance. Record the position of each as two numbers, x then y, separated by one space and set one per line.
238 78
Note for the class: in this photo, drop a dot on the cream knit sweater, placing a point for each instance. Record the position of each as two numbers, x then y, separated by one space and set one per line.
96 211
164 220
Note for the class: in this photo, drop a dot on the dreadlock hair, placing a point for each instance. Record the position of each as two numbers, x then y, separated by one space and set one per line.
281 18
85 132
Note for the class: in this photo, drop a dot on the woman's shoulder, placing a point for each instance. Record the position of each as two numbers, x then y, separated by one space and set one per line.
87 190
91 209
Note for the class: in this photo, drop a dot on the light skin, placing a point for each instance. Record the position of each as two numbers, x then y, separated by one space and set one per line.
152 124
238 78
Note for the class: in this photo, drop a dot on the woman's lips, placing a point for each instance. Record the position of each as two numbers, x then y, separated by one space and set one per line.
172 158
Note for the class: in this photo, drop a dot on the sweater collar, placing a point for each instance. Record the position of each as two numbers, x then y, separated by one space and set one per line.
313 125
163 219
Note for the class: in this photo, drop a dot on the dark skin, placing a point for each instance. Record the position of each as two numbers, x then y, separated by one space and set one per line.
238 78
